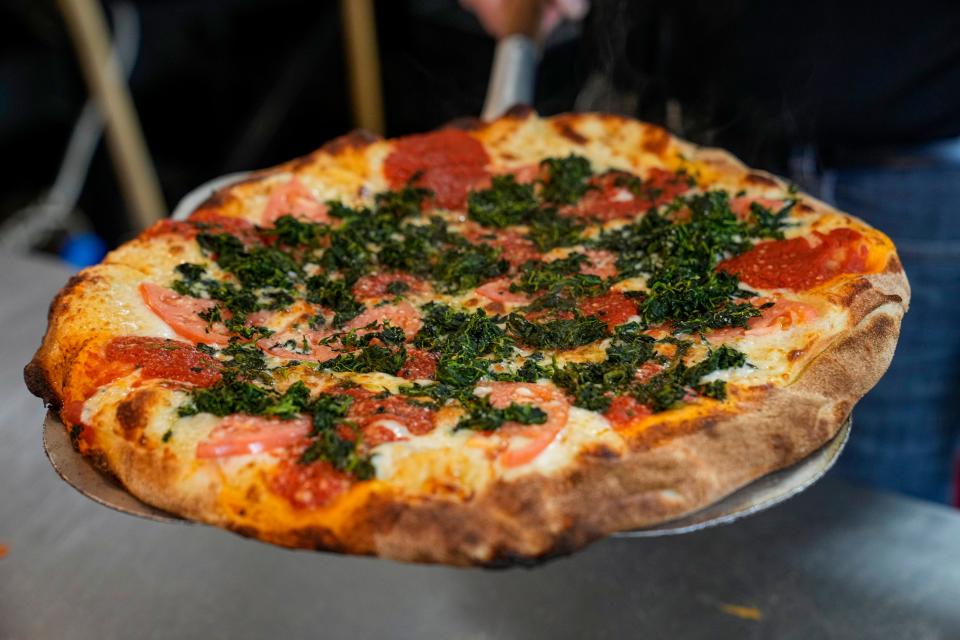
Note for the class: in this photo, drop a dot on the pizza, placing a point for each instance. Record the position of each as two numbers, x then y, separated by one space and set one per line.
488 344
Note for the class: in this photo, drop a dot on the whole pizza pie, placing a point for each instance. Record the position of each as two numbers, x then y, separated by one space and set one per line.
488 344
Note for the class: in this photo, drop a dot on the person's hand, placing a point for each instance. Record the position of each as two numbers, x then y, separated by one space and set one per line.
500 17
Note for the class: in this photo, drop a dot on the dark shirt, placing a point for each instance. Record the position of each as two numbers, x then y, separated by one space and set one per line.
760 76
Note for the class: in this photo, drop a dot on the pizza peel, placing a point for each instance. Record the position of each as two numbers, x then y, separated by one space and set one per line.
511 83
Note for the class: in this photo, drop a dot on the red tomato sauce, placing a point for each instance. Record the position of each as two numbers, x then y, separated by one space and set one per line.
308 486
377 285
420 365
514 248
368 408
624 410
449 162
797 263
168 359
611 199
613 307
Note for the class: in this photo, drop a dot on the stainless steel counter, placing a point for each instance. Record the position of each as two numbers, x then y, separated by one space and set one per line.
836 562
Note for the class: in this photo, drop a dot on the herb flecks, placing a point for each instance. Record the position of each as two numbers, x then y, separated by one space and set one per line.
559 334
680 258
567 179
481 415
505 203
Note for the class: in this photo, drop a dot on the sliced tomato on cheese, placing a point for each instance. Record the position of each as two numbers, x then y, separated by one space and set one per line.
618 194
395 414
380 285
526 442
206 221
180 314
498 292
239 435
401 314
514 247
294 199
298 345
600 263
783 315
311 345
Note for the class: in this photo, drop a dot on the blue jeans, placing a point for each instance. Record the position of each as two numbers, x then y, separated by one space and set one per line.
906 430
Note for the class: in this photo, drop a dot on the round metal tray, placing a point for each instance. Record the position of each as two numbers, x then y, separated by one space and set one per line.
753 498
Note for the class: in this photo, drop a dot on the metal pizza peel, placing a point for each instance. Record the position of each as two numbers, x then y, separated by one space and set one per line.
511 83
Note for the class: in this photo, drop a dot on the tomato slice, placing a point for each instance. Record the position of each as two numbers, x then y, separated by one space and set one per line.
498 292
370 410
298 345
526 442
379 285
239 435
180 313
783 315
600 263
402 314
612 199
514 247
294 199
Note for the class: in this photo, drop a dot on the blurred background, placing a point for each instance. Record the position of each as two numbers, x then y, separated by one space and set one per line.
857 102
229 85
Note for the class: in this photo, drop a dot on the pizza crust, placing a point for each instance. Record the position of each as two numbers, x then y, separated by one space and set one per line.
665 474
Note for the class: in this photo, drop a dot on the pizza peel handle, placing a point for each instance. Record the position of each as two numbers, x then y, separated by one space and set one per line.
511 77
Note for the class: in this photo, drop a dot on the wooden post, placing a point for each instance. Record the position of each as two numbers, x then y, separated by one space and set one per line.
363 63
131 160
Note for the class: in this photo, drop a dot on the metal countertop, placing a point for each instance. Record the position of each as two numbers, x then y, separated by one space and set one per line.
836 562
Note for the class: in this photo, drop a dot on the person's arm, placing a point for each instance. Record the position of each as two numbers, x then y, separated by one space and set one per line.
500 17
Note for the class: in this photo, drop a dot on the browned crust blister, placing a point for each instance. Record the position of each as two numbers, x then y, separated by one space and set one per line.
661 477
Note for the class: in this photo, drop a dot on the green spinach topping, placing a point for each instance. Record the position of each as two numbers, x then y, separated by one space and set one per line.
561 333
680 260
675 248
327 413
334 295
467 343
594 384
567 179
504 204
483 416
